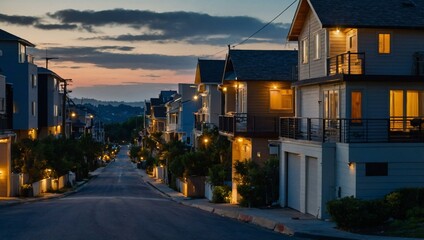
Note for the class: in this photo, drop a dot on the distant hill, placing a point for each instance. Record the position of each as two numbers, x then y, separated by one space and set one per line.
110 112
96 102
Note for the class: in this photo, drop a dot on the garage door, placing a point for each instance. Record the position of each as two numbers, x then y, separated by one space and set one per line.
293 181
311 186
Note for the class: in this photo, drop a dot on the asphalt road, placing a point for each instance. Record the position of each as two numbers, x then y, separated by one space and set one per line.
118 204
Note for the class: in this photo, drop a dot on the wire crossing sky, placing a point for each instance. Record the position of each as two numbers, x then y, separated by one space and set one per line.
129 50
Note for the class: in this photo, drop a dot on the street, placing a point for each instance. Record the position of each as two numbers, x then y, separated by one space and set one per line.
118 204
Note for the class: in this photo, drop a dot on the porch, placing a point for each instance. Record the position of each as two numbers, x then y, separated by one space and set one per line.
243 124
407 129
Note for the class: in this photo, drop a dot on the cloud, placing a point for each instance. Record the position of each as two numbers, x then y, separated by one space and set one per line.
119 57
56 26
18 20
189 27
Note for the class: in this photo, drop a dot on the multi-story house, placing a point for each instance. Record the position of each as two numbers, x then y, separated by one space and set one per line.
3 111
208 78
20 70
157 117
257 89
5 142
49 103
179 114
359 103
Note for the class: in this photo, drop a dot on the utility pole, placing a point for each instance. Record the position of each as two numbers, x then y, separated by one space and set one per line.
65 92
48 59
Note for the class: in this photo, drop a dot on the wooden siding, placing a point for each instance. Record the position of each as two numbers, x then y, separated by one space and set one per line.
314 68
230 99
404 43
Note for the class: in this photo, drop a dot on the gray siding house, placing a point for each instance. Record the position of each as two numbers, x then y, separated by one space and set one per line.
359 102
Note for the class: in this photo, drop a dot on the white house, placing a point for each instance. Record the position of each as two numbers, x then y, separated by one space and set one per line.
359 103
208 77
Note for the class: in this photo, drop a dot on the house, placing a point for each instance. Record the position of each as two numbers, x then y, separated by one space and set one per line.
359 103
19 68
49 103
3 112
208 77
157 117
5 142
179 114
256 85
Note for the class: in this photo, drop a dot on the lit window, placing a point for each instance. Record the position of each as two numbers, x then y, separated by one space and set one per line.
281 99
356 106
405 105
305 50
384 43
317 46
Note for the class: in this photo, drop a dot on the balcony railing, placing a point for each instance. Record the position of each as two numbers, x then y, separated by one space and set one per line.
408 129
244 124
346 63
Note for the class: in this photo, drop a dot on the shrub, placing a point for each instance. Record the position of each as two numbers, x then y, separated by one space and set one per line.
217 175
415 213
402 200
221 194
351 213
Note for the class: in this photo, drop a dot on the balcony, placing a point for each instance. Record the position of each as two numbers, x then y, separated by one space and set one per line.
346 63
242 124
408 129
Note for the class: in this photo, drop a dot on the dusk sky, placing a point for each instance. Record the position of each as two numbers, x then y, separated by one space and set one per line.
129 50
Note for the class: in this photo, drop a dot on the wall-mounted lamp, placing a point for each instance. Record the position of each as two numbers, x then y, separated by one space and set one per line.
224 89
258 154
350 164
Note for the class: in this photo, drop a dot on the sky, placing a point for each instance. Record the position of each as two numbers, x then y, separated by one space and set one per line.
129 50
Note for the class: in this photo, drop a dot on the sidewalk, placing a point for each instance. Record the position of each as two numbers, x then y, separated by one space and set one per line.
12 201
282 220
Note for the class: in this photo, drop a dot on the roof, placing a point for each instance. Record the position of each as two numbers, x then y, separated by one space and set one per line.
394 14
265 65
159 112
155 101
46 71
209 71
6 36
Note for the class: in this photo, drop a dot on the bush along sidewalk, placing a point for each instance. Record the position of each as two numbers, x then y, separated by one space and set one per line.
400 213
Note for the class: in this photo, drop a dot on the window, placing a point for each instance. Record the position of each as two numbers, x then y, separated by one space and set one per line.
405 105
356 106
384 43
2 105
241 98
21 53
55 110
331 104
376 169
317 46
281 99
305 50
34 108
34 80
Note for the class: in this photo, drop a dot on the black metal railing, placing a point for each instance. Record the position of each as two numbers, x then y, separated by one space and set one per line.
407 129
242 123
346 63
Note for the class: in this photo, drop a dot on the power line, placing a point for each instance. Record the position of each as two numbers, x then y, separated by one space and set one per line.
259 30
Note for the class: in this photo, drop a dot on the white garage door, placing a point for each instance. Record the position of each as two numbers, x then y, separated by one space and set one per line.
293 181
311 186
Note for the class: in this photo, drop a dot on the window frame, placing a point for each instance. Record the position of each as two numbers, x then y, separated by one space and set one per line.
382 43
281 95
305 50
317 53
